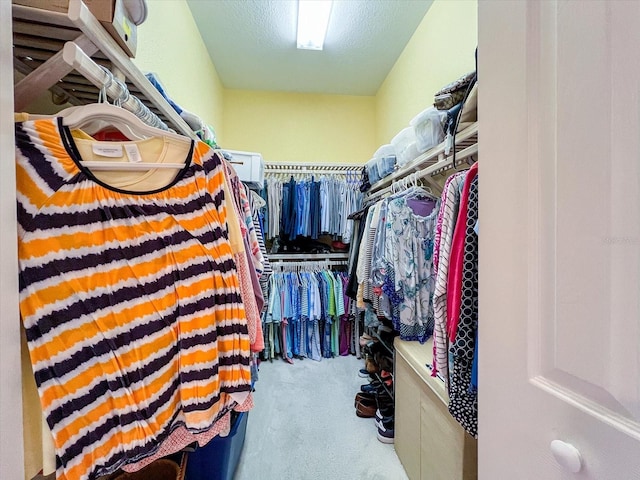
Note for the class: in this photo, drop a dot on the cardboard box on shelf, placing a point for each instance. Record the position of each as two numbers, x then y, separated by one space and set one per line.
110 13
120 26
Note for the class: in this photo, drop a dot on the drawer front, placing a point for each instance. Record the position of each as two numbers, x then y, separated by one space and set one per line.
407 418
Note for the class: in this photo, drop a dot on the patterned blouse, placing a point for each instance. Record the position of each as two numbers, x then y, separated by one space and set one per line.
409 251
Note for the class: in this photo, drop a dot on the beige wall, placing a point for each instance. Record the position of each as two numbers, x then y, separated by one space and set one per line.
441 50
296 127
170 45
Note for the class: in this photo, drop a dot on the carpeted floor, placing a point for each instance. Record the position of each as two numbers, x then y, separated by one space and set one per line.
304 426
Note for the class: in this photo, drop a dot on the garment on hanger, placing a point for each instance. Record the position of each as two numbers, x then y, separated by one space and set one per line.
463 395
308 308
395 274
409 250
447 217
238 235
454 280
130 300
310 206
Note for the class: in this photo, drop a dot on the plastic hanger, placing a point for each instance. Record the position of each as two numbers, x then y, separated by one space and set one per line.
127 123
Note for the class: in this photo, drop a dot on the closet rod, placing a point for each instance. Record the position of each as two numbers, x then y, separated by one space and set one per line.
319 263
326 166
307 256
80 61
311 172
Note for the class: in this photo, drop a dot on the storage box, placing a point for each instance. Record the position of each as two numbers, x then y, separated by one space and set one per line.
123 30
249 166
218 459
372 171
386 160
110 13
428 128
386 165
405 145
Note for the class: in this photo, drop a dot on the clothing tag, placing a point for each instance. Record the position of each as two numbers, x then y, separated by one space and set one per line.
133 153
107 149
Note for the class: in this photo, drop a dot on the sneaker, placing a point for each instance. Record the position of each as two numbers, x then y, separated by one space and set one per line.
370 387
381 422
386 430
384 411
363 373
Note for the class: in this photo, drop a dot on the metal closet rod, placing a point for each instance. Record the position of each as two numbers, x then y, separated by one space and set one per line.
73 55
328 166
305 168
279 265
307 256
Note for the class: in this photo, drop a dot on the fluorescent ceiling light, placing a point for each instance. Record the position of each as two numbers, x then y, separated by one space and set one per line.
313 18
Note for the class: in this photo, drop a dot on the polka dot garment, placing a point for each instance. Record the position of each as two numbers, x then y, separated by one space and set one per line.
463 401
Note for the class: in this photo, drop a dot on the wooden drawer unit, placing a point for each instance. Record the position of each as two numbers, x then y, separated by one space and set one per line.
430 444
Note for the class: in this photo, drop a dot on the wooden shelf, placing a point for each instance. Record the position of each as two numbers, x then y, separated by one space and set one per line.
418 356
38 39
434 161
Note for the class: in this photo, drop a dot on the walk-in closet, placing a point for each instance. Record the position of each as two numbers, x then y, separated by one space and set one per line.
319 239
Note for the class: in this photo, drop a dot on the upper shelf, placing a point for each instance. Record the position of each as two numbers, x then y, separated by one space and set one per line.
38 40
435 160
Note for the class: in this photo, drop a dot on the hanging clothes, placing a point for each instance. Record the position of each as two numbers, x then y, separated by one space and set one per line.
395 271
144 290
311 206
307 307
415 259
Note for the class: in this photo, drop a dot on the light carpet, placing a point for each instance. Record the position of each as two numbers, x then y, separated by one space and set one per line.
304 426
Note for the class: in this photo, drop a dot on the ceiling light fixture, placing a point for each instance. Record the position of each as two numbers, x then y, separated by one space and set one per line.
313 19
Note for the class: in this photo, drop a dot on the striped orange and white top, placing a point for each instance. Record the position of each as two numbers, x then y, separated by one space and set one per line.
130 302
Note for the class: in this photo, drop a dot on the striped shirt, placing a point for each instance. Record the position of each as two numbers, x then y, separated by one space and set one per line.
130 302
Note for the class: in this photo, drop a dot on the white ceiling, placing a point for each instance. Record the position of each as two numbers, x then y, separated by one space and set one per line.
252 43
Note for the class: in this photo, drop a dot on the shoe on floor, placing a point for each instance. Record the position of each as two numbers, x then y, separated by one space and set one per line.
381 422
366 408
364 411
363 373
371 366
360 396
384 411
386 437
386 431
370 387
364 339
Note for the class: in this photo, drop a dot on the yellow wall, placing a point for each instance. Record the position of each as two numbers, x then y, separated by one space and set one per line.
170 45
305 127
441 50
296 127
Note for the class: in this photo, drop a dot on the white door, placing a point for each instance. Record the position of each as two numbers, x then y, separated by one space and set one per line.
559 113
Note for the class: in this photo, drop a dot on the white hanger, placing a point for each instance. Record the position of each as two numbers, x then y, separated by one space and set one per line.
127 123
